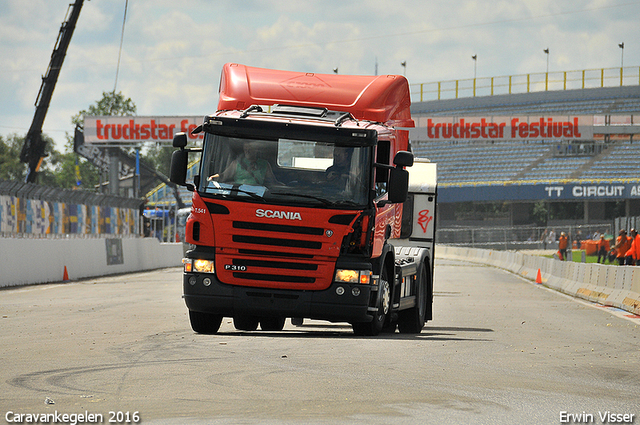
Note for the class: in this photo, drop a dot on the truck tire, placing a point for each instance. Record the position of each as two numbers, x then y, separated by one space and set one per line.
374 327
412 321
204 323
245 323
272 323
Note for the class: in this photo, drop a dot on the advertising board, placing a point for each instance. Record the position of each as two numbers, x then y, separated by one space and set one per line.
115 130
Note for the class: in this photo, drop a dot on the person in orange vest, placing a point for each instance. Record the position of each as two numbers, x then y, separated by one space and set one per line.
562 246
623 244
633 254
601 248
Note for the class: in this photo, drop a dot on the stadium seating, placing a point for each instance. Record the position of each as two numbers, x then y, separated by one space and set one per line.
473 161
470 161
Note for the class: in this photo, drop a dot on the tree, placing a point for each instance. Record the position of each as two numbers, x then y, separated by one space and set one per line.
11 168
159 158
63 170
72 166
111 104
540 213
73 171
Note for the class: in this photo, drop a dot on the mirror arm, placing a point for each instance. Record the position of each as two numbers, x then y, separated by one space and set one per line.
385 166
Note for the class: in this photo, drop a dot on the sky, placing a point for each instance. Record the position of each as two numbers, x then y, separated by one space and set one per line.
172 52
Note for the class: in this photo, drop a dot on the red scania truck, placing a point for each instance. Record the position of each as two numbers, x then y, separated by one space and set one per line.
303 207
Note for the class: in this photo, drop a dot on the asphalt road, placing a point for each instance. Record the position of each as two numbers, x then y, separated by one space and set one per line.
499 351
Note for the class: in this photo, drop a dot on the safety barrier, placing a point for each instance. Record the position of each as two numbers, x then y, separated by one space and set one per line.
31 209
614 286
26 261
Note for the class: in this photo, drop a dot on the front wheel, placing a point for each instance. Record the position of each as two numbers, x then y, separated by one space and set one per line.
245 323
272 323
204 323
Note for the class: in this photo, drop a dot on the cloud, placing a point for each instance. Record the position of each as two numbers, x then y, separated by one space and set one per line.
173 52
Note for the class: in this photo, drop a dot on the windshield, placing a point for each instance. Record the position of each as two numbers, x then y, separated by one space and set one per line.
285 171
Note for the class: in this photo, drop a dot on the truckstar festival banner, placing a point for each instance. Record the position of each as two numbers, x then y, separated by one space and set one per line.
134 129
505 128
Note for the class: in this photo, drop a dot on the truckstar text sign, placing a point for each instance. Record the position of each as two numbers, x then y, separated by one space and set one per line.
507 128
133 129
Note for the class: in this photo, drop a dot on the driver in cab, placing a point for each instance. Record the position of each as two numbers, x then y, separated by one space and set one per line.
248 169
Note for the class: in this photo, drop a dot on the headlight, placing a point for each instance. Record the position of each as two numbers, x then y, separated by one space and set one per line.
197 265
353 276
203 266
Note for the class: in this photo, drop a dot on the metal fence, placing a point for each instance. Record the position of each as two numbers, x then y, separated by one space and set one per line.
626 223
525 83
35 211
520 237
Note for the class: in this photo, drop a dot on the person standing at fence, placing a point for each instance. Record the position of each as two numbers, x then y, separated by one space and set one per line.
578 239
544 237
562 246
551 238
632 255
601 249
623 244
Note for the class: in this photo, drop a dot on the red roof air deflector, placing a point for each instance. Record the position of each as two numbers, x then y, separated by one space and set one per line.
383 99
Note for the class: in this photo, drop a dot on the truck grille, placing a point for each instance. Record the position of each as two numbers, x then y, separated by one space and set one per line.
283 228
276 256
289 243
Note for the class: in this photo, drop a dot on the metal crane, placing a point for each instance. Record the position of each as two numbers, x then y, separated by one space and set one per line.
33 149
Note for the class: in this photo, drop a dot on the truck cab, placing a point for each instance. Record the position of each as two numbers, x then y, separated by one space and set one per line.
297 203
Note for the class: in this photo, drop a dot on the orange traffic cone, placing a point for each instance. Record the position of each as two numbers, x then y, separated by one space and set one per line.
539 277
65 275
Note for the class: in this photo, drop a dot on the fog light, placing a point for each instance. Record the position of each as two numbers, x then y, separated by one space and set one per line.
206 281
192 280
339 290
355 292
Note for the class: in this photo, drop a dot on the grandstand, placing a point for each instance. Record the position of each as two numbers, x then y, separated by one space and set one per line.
599 173
468 161
521 173
462 161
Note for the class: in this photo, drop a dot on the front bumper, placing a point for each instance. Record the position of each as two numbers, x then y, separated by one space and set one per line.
348 304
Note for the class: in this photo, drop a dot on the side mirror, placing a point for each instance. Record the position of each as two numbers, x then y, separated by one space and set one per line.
402 159
398 184
180 140
179 162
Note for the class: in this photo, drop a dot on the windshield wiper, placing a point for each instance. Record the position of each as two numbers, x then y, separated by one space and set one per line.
341 203
317 198
236 189
345 202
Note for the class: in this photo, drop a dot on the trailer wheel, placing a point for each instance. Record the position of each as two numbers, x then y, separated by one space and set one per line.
411 321
272 323
374 327
245 323
204 323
